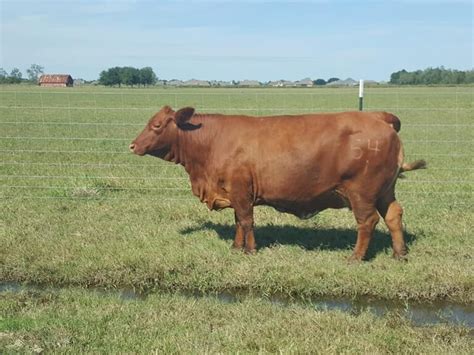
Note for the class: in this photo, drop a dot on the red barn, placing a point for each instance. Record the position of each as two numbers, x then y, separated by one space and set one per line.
55 80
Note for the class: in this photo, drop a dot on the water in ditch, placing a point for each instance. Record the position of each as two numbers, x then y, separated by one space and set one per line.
419 314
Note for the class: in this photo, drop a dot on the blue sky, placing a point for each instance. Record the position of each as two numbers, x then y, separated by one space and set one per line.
225 40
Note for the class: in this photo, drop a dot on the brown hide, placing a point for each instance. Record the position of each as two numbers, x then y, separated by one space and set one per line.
300 164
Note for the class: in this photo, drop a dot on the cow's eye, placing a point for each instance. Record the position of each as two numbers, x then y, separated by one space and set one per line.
157 125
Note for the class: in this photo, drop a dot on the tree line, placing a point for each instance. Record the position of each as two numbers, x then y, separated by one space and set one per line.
16 77
127 76
431 76
118 76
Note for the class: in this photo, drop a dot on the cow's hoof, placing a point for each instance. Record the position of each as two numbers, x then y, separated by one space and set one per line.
250 251
355 259
400 257
236 247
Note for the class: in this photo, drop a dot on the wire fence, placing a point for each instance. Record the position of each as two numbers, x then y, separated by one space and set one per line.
73 144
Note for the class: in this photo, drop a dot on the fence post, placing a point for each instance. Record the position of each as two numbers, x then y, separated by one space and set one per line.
361 94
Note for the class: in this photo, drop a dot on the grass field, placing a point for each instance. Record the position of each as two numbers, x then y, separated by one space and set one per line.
84 321
79 210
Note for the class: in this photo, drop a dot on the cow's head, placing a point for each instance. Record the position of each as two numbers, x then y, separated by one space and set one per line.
161 131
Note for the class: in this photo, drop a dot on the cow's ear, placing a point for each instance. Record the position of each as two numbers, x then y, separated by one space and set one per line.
167 109
183 115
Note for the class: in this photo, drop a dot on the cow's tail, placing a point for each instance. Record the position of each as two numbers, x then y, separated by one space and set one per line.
414 165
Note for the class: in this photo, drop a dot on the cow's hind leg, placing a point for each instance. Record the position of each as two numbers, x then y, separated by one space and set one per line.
367 218
392 212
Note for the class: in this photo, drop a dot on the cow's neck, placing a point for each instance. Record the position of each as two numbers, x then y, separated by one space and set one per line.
193 147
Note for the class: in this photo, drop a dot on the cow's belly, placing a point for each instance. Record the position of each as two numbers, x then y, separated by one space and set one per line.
307 208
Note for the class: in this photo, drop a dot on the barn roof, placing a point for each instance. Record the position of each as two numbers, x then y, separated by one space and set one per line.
55 78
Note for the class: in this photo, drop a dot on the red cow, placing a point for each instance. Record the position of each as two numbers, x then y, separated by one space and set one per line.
300 164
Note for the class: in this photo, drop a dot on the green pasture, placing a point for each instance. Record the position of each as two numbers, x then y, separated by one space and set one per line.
78 210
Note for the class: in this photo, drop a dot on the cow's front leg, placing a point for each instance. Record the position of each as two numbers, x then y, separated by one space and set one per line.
239 235
244 235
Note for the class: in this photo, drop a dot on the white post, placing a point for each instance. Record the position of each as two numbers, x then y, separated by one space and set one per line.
361 94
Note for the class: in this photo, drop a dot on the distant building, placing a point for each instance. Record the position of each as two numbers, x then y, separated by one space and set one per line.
220 83
195 82
174 82
347 82
249 83
56 80
79 82
281 83
306 82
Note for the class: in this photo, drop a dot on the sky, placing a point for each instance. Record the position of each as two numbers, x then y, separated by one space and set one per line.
237 40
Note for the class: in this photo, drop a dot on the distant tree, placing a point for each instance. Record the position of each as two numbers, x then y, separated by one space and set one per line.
104 78
319 82
130 76
3 76
147 76
330 80
460 76
418 77
34 72
469 77
15 76
115 77
395 77
127 76
407 78
431 76
110 77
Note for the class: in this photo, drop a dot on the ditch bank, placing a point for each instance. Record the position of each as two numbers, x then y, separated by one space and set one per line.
419 314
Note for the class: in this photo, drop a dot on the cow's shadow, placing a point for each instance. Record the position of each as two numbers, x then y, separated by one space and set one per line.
316 238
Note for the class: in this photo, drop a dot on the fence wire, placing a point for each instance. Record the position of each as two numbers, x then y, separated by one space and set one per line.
73 144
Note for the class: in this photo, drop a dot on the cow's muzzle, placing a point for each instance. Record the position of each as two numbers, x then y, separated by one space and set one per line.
136 150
